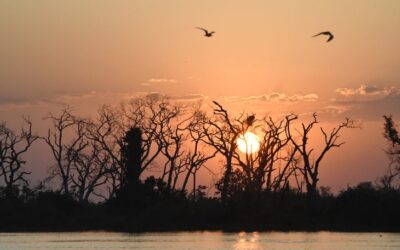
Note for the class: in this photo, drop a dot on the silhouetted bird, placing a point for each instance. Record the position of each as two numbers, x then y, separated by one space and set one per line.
250 120
206 32
326 33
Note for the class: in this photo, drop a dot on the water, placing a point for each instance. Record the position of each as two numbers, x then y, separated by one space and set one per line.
200 241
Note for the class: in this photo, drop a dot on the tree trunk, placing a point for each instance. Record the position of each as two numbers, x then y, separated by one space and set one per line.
227 178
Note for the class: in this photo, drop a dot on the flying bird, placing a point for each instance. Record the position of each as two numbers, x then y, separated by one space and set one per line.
326 33
206 32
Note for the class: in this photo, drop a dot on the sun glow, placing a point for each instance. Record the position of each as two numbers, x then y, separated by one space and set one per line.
249 143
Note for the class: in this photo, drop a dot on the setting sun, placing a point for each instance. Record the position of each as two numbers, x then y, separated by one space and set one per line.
248 143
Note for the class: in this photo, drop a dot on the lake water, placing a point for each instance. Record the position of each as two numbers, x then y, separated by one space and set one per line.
200 241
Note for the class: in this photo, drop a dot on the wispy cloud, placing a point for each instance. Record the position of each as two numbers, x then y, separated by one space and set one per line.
190 97
161 80
94 97
172 98
368 90
274 97
368 101
153 81
364 102
69 99
334 109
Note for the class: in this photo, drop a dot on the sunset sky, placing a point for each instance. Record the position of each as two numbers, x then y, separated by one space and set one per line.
262 59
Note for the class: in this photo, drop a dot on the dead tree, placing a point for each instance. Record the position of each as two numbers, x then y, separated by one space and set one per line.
89 171
196 156
292 173
149 114
222 133
260 168
107 132
310 168
287 172
66 139
172 139
12 148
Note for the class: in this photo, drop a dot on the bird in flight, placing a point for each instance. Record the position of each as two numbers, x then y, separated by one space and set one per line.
206 32
326 33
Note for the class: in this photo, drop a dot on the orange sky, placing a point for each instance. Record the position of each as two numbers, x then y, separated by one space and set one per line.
261 59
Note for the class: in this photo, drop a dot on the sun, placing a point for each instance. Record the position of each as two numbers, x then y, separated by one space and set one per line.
249 143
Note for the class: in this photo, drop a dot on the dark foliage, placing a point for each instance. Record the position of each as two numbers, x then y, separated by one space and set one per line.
362 208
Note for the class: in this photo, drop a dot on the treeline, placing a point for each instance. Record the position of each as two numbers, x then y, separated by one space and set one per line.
111 158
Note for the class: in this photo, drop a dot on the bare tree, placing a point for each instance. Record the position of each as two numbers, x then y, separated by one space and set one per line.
90 169
66 140
163 134
260 167
285 173
221 133
12 148
107 132
172 139
196 156
81 163
310 168
153 115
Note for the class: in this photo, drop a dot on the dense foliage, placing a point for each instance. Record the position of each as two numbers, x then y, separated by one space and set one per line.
361 208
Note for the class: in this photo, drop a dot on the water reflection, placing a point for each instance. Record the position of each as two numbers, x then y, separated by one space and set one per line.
247 241
200 241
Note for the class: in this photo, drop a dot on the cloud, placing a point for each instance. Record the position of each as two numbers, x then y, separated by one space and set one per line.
161 80
21 105
368 90
153 81
334 109
274 97
22 102
190 97
368 102
93 97
74 99
364 102
178 98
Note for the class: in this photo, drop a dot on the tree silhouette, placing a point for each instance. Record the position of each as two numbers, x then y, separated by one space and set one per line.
131 153
310 168
12 148
172 140
195 157
392 136
65 150
142 152
90 168
221 133
150 114
261 168
81 164
390 131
